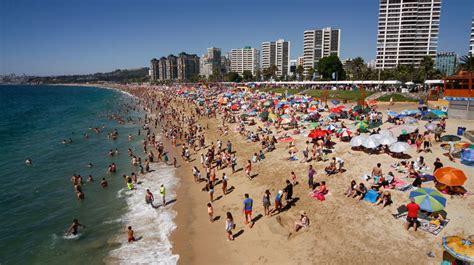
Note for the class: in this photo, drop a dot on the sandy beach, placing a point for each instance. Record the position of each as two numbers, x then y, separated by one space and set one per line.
342 230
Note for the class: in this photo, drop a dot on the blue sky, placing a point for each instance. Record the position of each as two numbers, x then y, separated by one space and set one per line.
51 37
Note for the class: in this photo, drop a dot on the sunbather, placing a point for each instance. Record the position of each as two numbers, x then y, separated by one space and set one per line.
384 199
360 191
352 189
302 222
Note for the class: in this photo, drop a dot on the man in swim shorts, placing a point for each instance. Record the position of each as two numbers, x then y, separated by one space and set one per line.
74 227
149 197
248 204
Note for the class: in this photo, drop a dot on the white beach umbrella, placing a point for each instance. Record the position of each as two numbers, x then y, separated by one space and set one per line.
376 137
358 140
387 140
399 147
370 143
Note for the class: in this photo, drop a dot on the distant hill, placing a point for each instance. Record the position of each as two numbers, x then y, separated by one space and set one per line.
138 75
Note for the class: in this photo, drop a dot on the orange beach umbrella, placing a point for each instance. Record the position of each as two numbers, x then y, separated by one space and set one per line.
450 176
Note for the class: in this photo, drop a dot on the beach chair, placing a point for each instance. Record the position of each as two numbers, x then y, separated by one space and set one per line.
371 196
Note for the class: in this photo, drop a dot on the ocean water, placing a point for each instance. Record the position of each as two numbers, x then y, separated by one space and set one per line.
38 203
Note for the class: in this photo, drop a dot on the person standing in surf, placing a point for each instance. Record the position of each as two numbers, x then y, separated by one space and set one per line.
163 194
74 227
149 197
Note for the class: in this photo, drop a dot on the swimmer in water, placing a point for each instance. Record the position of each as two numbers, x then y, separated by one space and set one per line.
104 183
74 227
89 165
90 178
130 235
28 162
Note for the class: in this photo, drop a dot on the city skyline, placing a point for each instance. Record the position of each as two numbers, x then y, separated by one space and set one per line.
54 38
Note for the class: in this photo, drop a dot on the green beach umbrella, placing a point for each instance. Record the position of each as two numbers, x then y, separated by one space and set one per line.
429 199
362 125
313 125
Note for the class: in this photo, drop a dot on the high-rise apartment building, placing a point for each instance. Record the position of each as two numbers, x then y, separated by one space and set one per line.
154 73
211 62
276 53
244 59
171 67
446 63
471 50
407 31
188 66
162 73
319 43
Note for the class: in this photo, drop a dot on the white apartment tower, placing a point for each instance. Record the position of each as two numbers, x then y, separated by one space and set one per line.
407 31
471 50
276 53
244 59
319 43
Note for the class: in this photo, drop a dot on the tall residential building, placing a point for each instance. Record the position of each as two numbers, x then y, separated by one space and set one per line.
446 63
276 53
300 61
319 43
187 65
154 73
211 62
407 31
162 73
244 59
171 67
471 50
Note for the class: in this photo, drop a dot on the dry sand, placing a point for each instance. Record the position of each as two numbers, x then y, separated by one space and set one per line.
342 230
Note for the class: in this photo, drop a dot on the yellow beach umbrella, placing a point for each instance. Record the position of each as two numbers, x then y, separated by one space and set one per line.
460 248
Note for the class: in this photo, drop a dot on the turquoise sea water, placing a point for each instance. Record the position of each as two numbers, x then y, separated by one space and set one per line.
38 203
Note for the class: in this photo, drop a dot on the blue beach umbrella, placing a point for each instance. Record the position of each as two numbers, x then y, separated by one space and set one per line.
467 155
428 199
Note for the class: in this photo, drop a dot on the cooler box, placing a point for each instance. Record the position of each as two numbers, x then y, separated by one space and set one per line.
461 130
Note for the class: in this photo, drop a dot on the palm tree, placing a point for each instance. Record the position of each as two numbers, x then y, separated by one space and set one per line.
426 67
466 63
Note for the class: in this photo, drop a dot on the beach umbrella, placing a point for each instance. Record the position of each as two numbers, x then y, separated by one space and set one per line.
376 137
467 155
331 127
312 109
429 200
362 126
358 140
399 147
392 114
370 143
402 130
387 140
409 120
460 248
252 113
317 133
450 176
314 102
450 138
346 133
268 103
335 101
313 125
430 116
264 115
235 107
272 117
336 110
441 114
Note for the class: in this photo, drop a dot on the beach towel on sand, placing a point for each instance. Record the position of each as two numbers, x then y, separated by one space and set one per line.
424 224
318 196
371 196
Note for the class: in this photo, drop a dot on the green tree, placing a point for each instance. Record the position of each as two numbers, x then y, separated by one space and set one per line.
234 77
310 74
329 65
358 68
466 63
270 72
258 75
247 76
300 71
426 69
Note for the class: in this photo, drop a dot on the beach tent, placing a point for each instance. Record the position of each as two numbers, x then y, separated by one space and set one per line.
399 147
450 176
358 140
429 200
370 143
460 248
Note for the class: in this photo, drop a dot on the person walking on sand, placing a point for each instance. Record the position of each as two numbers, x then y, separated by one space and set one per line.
311 173
149 197
210 212
266 202
233 163
229 225
74 227
163 194
224 183
248 204
130 235
248 169
412 216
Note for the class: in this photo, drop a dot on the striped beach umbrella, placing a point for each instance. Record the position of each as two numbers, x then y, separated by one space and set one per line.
429 199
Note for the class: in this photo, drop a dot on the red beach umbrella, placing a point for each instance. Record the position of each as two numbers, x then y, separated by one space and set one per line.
317 133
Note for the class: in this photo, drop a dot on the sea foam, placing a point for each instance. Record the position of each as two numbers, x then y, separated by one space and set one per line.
152 225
